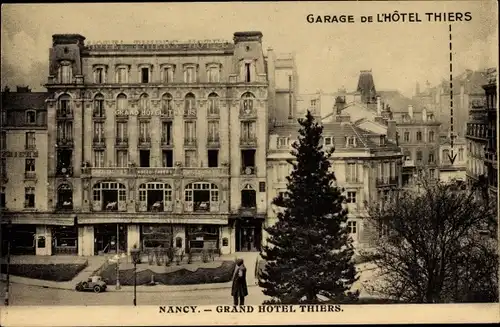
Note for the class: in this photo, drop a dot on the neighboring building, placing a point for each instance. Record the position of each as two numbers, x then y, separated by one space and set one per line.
155 145
491 148
283 86
319 104
457 170
477 139
467 93
23 170
416 127
367 166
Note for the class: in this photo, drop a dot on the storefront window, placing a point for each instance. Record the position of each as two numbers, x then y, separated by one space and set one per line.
156 236
65 239
203 237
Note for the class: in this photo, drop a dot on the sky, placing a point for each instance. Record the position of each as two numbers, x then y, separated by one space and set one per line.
329 56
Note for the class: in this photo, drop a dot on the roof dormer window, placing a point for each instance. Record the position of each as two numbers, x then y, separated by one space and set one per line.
350 141
30 117
122 72
145 71
190 73
382 140
213 73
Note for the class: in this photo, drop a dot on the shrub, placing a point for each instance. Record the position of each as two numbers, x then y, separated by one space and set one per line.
221 274
52 272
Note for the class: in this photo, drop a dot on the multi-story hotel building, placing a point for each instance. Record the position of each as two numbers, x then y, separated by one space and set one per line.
152 145
23 171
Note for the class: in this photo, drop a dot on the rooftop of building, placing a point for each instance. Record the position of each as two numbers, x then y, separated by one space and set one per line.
472 82
339 131
23 99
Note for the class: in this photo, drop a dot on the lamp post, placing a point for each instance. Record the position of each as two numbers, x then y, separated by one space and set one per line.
118 256
7 282
135 253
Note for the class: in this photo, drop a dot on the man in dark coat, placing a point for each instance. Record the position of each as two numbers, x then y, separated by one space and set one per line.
239 289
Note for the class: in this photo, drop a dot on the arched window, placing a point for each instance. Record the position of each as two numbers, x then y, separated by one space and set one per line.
65 197
64 105
167 106
121 102
155 197
213 104
109 196
248 197
201 196
247 103
99 105
144 102
190 105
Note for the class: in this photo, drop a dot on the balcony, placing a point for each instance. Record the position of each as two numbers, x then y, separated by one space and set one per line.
65 142
247 211
248 141
64 114
249 170
99 142
144 141
190 142
201 206
167 113
157 171
64 171
64 206
386 181
213 142
29 175
99 115
248 113
121 142
190 113
409 163
167 142
208 172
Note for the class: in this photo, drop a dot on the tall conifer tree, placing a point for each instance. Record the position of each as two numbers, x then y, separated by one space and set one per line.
309 251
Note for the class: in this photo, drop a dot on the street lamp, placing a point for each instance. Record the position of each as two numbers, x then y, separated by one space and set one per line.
7 282
135 253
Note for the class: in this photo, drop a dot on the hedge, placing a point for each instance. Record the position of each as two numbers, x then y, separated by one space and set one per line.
52 272
221 274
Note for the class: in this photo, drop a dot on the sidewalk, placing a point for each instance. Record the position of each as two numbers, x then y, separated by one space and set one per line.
94 263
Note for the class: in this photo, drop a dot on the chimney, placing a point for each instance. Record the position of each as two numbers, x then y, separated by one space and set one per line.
339 105
410 111
379 106
391 130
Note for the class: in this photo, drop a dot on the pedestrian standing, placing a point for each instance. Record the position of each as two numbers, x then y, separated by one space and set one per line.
239 289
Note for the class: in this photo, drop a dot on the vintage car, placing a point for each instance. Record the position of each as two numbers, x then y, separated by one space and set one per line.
94 283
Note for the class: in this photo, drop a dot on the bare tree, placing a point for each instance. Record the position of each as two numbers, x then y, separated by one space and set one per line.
435 245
